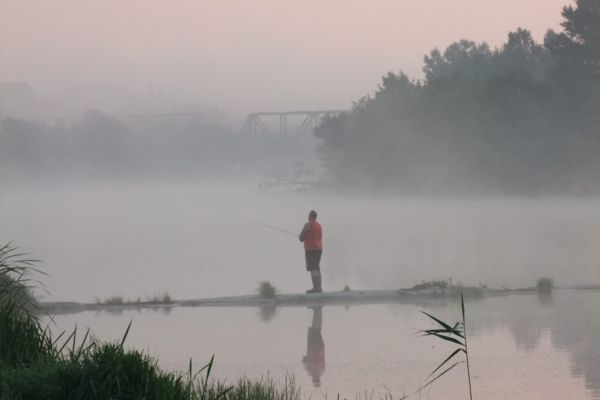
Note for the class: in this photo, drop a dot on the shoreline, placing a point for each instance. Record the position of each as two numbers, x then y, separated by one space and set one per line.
302 299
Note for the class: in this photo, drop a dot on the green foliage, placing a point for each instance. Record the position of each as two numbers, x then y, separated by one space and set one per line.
164 298
578 45
22 340
106 372
114 300
33 365
15 279
545 285
245 389
455 334
509 120
267 290
442 284
461 58
100 145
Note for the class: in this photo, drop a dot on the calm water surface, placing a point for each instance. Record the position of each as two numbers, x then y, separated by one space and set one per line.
198 240
521 346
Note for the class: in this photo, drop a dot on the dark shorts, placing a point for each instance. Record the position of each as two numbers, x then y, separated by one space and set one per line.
313 259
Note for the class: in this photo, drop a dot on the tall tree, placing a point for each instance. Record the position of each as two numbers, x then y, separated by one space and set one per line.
579 44
522 53
460 59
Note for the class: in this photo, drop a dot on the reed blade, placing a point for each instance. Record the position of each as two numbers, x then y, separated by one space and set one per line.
443 324
455 352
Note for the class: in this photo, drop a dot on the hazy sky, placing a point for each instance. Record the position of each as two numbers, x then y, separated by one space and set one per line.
245 55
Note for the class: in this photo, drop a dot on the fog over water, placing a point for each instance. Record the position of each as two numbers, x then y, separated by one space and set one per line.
197 239
174 150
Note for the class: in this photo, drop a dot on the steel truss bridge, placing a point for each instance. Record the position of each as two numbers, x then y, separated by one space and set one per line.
273 124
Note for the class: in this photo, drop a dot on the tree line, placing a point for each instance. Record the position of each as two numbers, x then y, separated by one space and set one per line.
523 119
98 145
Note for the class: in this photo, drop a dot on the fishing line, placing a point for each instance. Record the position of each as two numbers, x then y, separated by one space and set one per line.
229 216
272 227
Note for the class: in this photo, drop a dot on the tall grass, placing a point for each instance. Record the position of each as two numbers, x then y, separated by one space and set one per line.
105 371
246 389
34 365
23 341
22 338
16 279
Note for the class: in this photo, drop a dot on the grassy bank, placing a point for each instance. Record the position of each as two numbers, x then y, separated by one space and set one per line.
35 365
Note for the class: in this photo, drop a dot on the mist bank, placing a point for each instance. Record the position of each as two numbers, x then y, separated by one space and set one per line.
521 119
100 146
518 120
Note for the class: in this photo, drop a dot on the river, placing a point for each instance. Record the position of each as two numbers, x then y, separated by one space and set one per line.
196 240
520 346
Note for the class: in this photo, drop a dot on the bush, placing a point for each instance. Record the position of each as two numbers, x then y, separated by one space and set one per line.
432 284
267 290
545 285
114 301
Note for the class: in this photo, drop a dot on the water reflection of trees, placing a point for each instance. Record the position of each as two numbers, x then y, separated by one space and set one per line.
570 318
576 329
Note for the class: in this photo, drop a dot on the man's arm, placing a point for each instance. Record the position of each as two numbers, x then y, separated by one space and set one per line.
304 232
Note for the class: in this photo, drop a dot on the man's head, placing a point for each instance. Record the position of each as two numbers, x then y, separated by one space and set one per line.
312 215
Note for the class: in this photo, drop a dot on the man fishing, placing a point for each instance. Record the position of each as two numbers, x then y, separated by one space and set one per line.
312 236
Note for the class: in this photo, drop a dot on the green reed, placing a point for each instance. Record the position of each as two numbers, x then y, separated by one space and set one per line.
455 334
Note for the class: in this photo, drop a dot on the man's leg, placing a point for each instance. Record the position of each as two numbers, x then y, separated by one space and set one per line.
313 259
308 258
316 280
318 288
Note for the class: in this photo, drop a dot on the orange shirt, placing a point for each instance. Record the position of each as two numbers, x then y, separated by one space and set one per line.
314 237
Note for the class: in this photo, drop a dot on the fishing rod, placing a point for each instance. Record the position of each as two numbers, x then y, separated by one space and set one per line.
261 224
273 227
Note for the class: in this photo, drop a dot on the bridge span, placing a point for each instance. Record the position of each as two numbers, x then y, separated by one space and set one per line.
273 124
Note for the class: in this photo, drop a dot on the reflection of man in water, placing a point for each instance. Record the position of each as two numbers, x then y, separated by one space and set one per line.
314 360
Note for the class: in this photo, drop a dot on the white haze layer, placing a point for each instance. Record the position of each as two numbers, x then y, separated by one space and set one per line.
198 240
